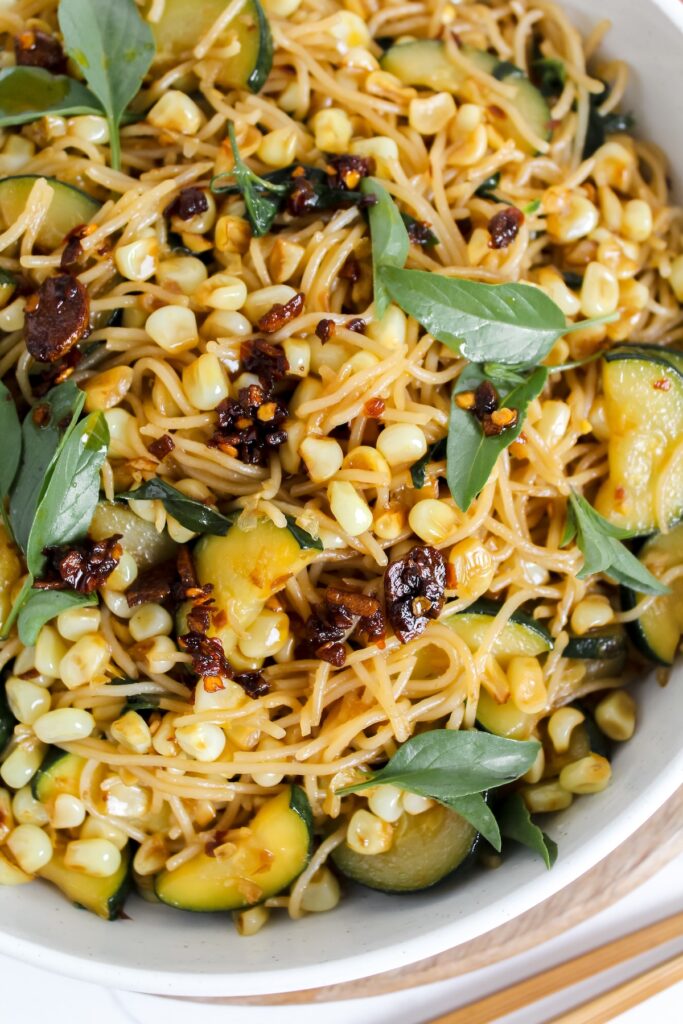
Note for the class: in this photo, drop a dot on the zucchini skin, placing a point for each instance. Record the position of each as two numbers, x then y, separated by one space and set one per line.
7 719
598 647
264 64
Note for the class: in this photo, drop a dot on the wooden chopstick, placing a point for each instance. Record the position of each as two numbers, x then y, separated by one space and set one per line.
546 983
623 997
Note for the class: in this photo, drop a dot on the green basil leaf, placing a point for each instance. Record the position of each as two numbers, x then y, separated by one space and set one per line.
435 452
419 233
262 198
487 189
506 323
472 455
601 125
302 537
44 605
390 241
42 439
445 764
515 823
28 93
193 515
114 47
600 543
475 810
549 75
10 432
140 703
67 504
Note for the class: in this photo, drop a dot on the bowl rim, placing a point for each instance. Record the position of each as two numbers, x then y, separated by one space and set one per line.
289 979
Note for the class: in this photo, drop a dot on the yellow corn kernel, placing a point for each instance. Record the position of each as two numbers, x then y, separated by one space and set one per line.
27 702
232 234
637 221
389 523
10 874
381 149
6 815
402 444
349 29
85 662
132 732
289 451
16 152
391 330
307 391
284 260
278 148
348 508
633 295
182 273
125 573
50 649
261 301
535 773
249 922
415 804
590 774
546 797
614 166
527 688
385 802
267 634
429 115
561 725
298 354
204 741
368 834
610 208
138 260
124 801
676 278
322 456
570 215
96 857
176 112
591 613
124 439
205 382
26 810
12 316
615 715
554 421
225 323
151 855
332 129
599 291
105 390
471 568
222 291
173 328
100 828
368 460
432 520
322 892
68 811
469 117
611 253
333 354
64 725
552 283
31 847
471 149
89 128
150 620
21 765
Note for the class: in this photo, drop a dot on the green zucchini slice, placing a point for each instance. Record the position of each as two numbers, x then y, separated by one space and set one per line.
102 896
657 633
643 387
266 860
138 537
59 773
7 719
504 719
521 636
184 22
69 208
425 62
7 288
598 645
427 847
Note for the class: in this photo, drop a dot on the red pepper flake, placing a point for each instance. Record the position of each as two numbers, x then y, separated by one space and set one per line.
325 329
351 270
664 384
162 447
253 684
281 313
420 233
268 362
155 586
35 49
302 198
83 567
346 171
73 254
208 656
189 202
504 227
496 111
357 325
241 434
374 408
414 591
619 494
57 318
342 615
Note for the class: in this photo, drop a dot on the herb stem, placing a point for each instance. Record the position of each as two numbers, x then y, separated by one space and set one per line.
17 606
576 363
114 144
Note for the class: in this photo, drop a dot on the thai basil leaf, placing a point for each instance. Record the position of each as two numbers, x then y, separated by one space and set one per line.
193 515
600 543
506 69
549 75
262 198
486 189
531 207
68 501
475 810
602 125
302 537
435 452
28 93
472 455
390 241
44 431
44 605
515 823
10 432
114 47
446 764
140 703
426 237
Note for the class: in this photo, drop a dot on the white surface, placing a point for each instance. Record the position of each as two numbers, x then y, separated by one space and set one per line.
32 996
165 951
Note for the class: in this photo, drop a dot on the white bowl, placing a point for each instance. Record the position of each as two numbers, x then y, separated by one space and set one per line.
163 951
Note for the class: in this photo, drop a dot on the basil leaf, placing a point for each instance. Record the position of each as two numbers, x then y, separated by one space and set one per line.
475 810
602 125
515 823
508 323
435 452
140 703
43 605
114 47
28 93
44 431
262 198
549 76
10 432
302 537
486 189
600 543
445 764
193 515
472 455
390 242
67 504
419 233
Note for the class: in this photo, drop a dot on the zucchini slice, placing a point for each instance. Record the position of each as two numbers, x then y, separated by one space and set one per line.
643 387
8 285
657 633
102 896
7 719
427 847
139 538
425 62
504 719
184 22
69 208
268 857
598 645
59 773
521 636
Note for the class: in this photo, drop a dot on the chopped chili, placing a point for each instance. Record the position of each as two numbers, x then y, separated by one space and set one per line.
154 586
346 171
57 317
245 435
504 227
302 198
268 362
374 408
253 684
420 233
83 567
35 49
189 202
162 447
325 329
351 270
281 313
414 591
356 324
208 656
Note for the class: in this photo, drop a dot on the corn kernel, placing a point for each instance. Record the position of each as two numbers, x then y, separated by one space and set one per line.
615 715
76 622
385 802
6 815
284 259
382 149
100 828
527 687
637 221
555 288
402 444
415 804
205 382
591 613
150 620
27 701
98 858
368 460
203 741
27 810
123 801
160 656
90 128
298 355
222 291
432 520
31 847
68 812
368 834
322 892
132 732
87 659
614 166
137 261
176 112
322 456
21 765
251 921
10 874
124 439
261 301
182 273
599 291
125 573
173 328
266 635
546 797
554 421
106 390
332 129
676 278
570 215
429 115
561 725
472 568
64 725
349 29
232 234
278 148
12 316
535 773
590 774
391 330
225 323
348 508
471 149
151 856
389 523
50 649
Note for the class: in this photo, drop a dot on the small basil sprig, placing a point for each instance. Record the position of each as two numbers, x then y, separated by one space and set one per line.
600 543
472 455
193 515
113 46
44 605
435 452
508 323
303 537
602 125
487 189
28 93
390 241
10 432
515 823
549 75
474 809
262 198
